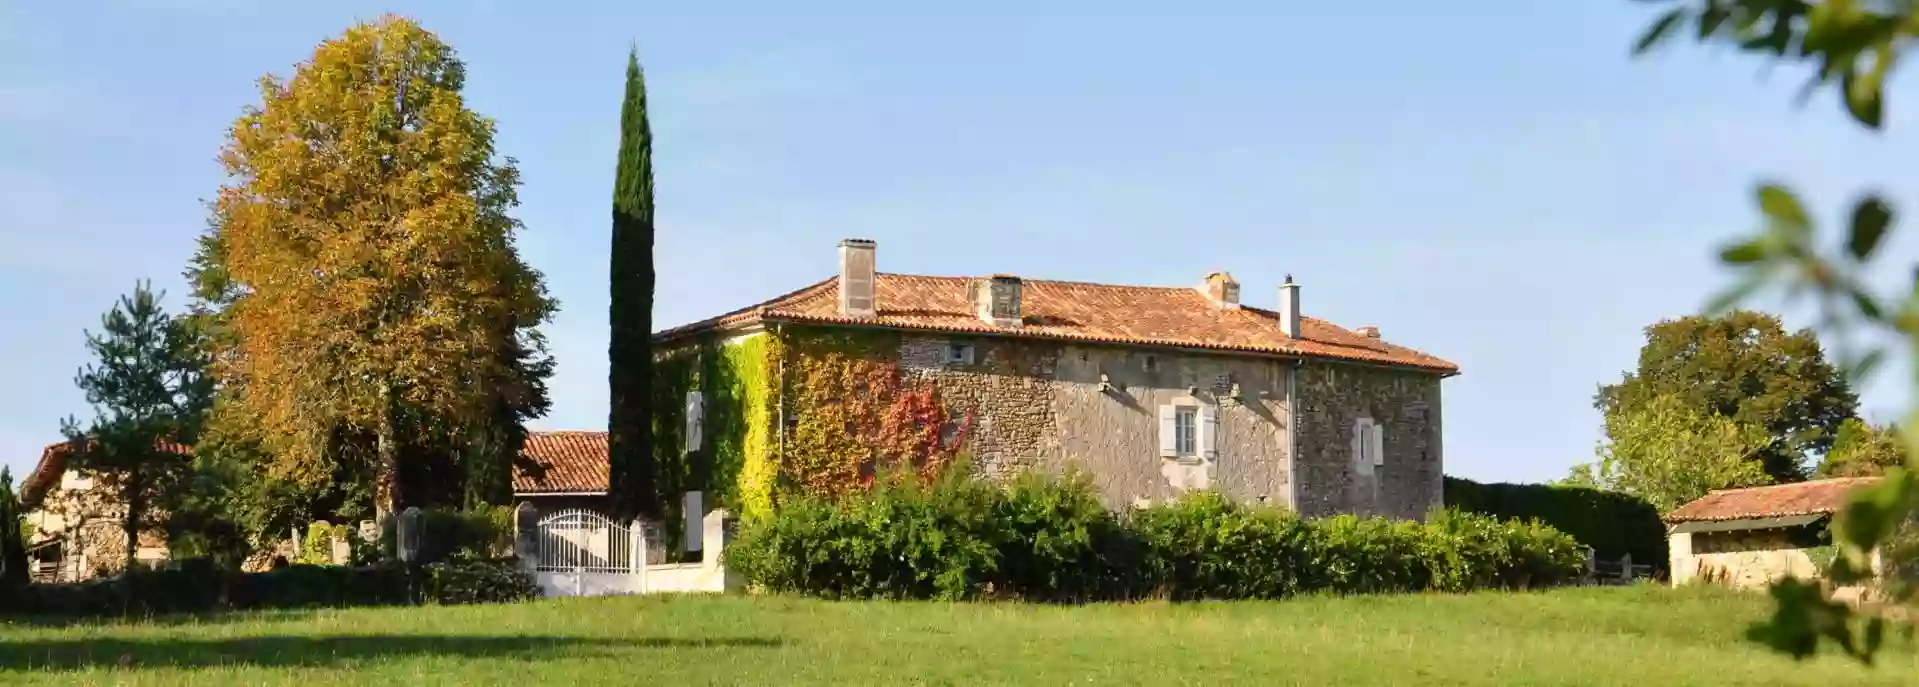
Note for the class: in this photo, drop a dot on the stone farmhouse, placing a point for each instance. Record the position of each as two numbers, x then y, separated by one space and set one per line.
1151 391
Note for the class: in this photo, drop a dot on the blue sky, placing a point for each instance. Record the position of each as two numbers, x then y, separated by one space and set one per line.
1495 183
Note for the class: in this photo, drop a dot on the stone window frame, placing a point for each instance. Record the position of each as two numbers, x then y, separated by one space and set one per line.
957 353
1205 439
1368 444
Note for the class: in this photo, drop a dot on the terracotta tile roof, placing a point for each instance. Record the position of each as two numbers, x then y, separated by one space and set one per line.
560 462
1817 497
53 463
1073 311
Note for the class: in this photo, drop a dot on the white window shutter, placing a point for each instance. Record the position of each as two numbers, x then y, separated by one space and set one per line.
1168 431
1208 431
1362 445
695 420
1379 445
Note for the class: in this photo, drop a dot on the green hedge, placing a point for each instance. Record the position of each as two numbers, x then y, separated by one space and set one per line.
196 586
1049 540
1612 523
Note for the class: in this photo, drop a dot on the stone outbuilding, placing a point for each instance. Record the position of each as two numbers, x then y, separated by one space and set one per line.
1749 538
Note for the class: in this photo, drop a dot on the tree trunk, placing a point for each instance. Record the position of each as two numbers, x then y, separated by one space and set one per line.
131 494
386 494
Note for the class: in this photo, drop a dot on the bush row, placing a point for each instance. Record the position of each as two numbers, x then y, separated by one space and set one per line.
1048 539
1612 523
196 586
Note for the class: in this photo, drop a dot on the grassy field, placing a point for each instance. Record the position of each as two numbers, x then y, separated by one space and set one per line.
1620 636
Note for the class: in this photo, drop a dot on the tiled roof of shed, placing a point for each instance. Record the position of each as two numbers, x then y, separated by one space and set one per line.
1075 311
561 462
1818 497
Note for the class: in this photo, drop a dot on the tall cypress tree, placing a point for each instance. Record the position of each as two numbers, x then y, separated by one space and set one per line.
634 476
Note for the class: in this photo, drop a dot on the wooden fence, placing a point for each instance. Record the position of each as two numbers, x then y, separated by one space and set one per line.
1616 572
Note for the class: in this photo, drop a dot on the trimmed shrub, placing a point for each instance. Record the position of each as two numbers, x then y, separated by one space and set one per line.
479 582
1204 546
1351 555
1057 543
900 540
1612 523
1048 539
196 586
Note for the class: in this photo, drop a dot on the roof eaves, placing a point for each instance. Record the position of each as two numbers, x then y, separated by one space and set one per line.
1444 368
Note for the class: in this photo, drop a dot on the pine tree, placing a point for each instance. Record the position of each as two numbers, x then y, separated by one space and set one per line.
150 392
633 475
13 544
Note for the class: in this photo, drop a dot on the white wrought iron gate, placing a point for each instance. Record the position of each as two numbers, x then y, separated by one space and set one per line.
583 553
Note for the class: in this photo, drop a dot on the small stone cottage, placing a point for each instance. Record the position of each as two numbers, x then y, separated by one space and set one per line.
1151 391
73 525
1749 538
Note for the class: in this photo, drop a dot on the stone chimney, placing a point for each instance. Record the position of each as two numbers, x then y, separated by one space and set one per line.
1289 307
1221 289
1368 331
996 299
857 276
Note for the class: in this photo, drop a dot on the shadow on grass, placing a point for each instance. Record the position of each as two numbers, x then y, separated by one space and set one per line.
168 620
298 650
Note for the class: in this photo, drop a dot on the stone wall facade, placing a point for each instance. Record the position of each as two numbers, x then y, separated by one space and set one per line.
1050 406
87 520
1405 406
1741 559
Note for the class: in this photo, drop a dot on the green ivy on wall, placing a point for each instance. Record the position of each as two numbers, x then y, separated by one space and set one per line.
674 373
739 419
850 409
737 423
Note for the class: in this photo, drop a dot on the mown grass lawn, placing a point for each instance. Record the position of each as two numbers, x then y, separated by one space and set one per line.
1622 636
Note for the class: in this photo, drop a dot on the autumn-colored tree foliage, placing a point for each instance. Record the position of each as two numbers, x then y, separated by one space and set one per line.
366 239
633 473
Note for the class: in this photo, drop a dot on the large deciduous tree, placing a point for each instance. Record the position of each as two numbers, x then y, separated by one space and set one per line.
364 252
1743 366
150 392
633 473
1667 452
